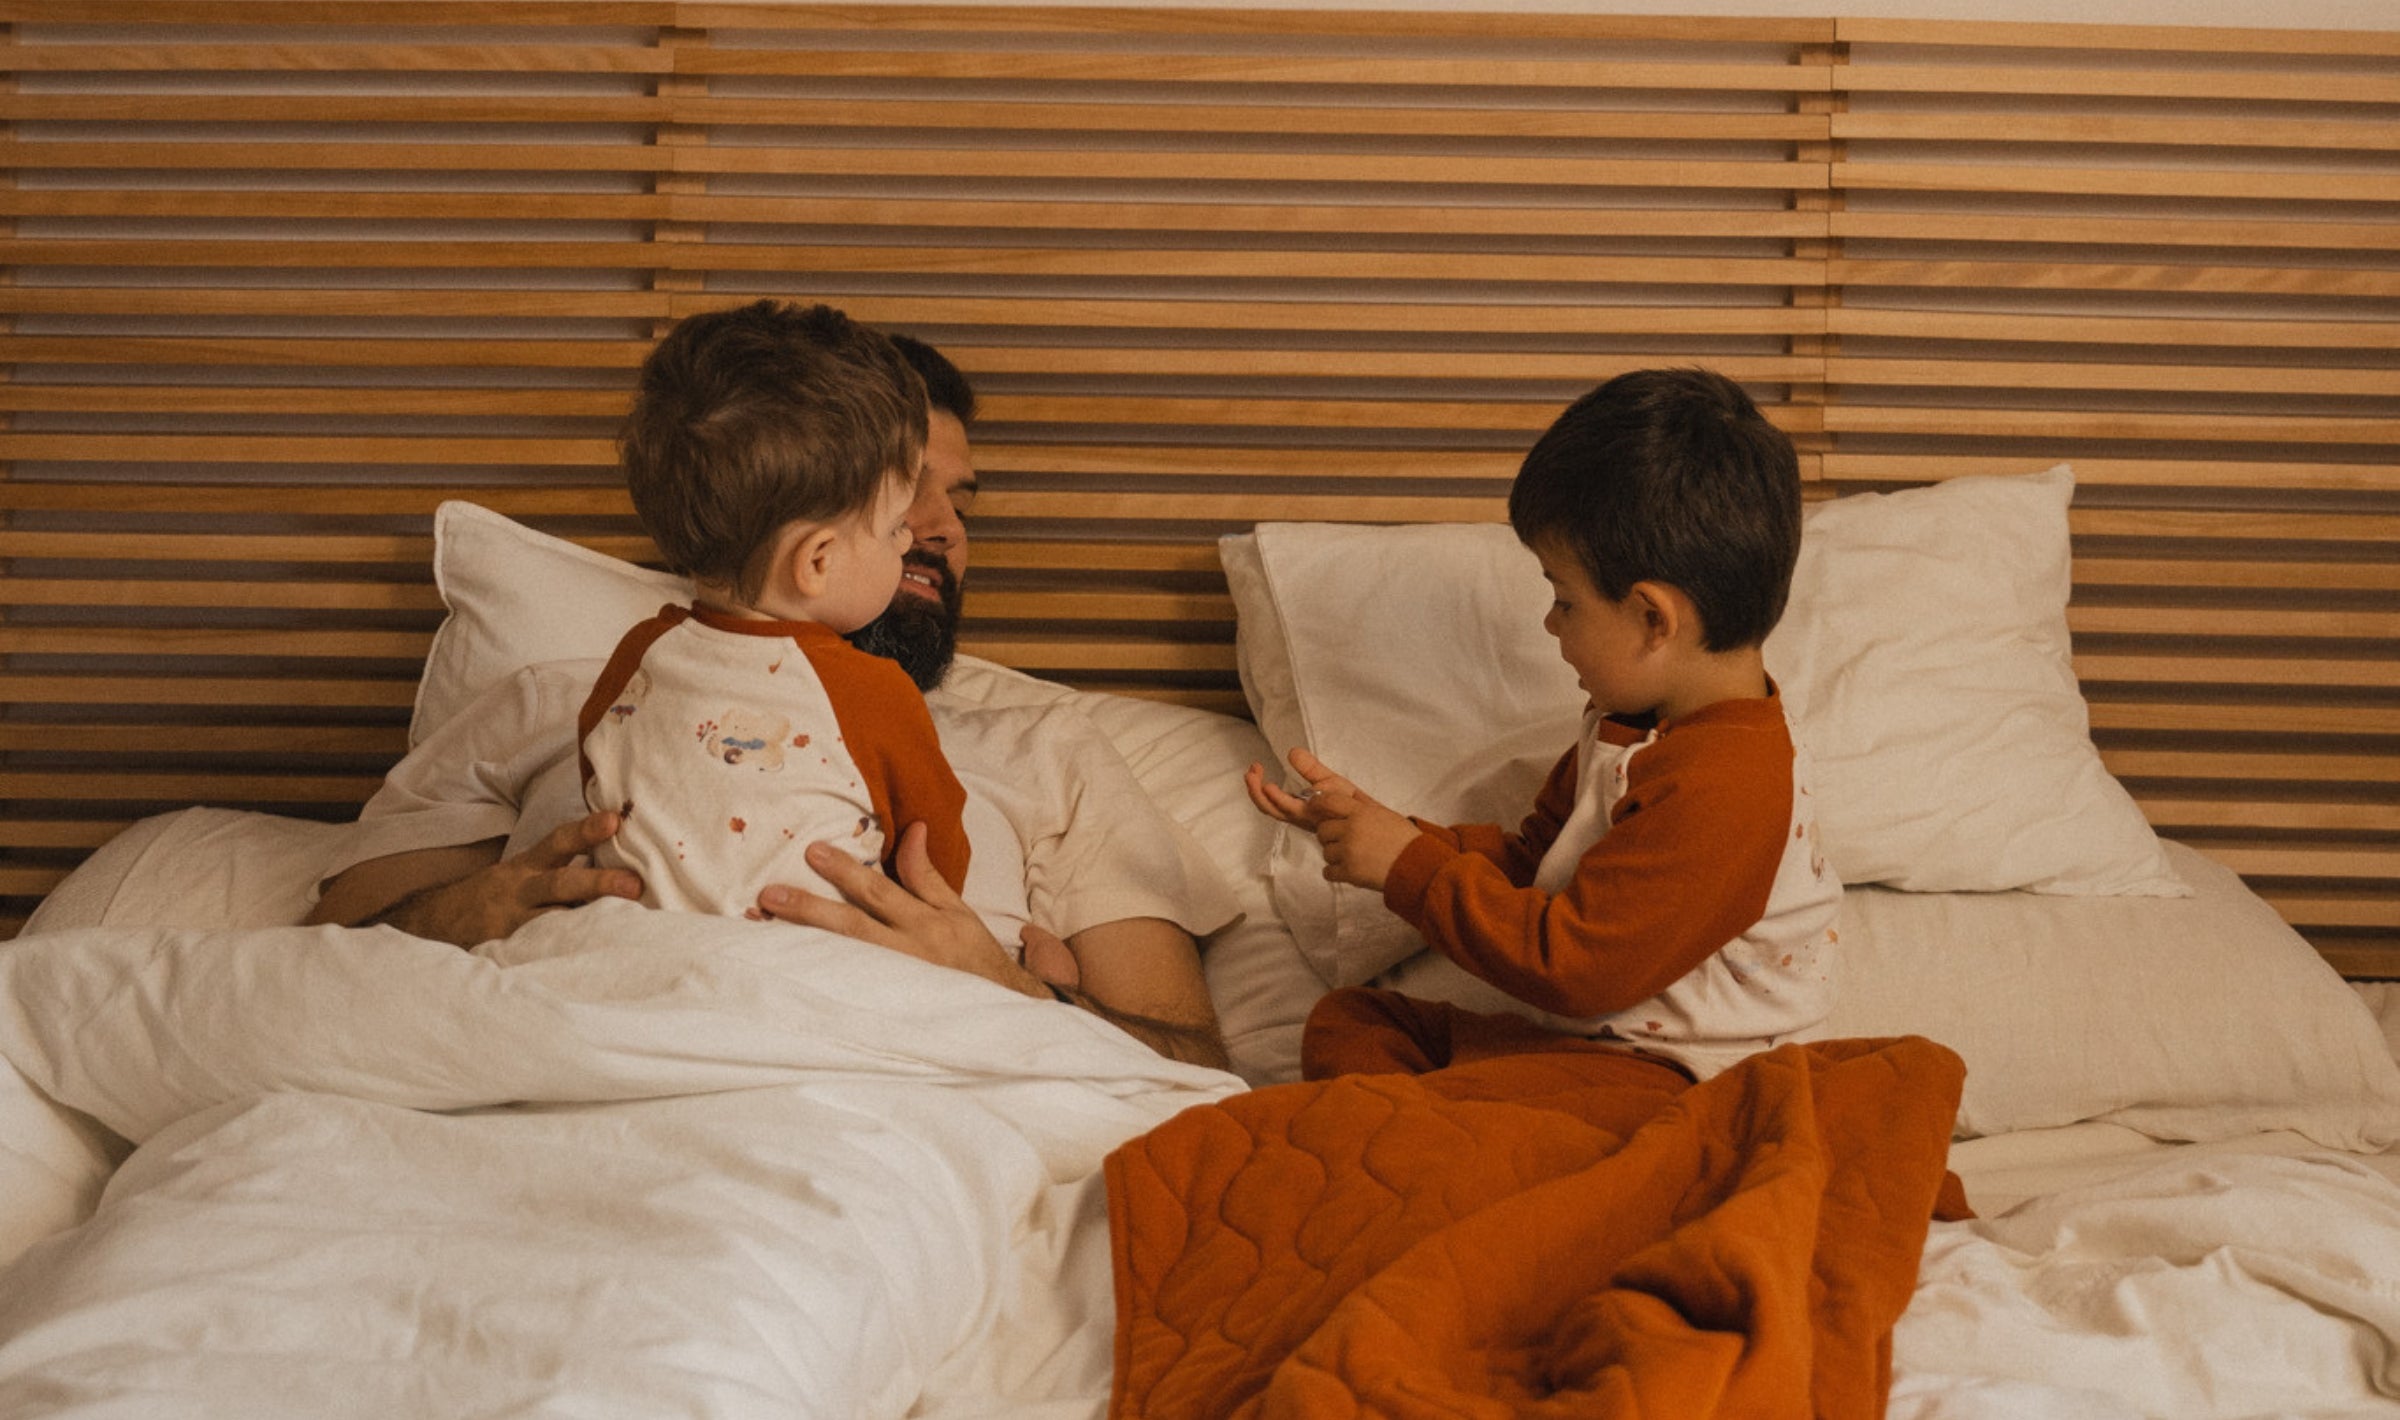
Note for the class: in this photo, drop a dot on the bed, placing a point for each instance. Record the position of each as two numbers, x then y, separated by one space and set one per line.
629 1162
2084 333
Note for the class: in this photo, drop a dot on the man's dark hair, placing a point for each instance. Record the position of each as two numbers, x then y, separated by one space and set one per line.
1671 476
748 419
946 388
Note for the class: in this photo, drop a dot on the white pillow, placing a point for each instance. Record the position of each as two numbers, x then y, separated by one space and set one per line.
517 596
1923 658
2204 1017
204 868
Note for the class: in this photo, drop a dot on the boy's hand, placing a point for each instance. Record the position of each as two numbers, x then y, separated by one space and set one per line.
1361 838
1304 809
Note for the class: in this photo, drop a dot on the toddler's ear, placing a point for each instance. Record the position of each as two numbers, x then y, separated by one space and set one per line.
808 559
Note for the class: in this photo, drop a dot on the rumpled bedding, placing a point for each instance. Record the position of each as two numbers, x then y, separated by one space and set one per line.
624 1163
1545 1234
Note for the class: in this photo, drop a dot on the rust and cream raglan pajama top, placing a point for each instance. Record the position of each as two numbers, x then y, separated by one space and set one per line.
1668 889
731 744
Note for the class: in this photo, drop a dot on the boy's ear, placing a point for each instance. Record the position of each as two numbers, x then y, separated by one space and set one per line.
1664 611
808 559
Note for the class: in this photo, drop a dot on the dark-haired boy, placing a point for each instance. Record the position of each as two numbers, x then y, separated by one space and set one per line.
1667 890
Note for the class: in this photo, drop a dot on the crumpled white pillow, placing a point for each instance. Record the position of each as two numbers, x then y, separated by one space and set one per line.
2204 1018
1924 657
517 596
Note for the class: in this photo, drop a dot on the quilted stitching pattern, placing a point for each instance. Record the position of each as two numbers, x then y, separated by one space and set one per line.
1546 1234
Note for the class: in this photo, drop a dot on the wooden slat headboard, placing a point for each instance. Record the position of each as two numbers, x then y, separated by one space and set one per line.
281 276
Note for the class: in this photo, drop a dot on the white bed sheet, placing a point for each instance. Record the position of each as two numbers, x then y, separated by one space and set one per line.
772 1213
626 1163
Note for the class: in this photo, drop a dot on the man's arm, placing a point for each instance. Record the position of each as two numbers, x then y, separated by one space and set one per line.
467 894
1142 976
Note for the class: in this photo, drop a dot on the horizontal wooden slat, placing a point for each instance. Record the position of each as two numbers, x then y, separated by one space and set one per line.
312 399
2188 668
279 693
1970 35
1099 66
2085 129
246 201
282 253
329 301
1374 214
2196 572
2294 623
1104 606
2173 813
2361 956
1200 117
1274 264
196 788
2249 524
323 352
2165 377
1042 655
2271 768
740 16
2085 81
2310 862
334 58
215 547
2164 227
169 642
289 448
2201 717
2192 331
2179 278
29 882
382 740
464 13
226 592
59 833
2115 182
2307 908
1084 163
2273 469
350 499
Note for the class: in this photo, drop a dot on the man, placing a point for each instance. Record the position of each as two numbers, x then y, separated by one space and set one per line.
1138 969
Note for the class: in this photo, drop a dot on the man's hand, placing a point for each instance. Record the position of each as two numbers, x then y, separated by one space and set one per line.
921 915
421 894
1145 979
1362 839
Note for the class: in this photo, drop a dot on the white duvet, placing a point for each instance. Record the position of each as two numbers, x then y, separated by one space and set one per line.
2201 1287
626 1163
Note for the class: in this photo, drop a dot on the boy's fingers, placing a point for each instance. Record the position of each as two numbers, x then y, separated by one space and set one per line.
1311 768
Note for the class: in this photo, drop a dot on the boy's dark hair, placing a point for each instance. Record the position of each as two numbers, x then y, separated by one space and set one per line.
747 419
946 388
1671 476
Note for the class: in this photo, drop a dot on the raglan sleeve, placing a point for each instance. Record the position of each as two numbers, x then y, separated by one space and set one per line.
1687 864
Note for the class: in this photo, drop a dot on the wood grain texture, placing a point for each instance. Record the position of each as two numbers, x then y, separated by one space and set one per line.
281 279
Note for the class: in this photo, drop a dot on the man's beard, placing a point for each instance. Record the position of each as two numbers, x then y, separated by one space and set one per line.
921 635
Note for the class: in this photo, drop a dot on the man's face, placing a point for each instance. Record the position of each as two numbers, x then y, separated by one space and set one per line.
920 630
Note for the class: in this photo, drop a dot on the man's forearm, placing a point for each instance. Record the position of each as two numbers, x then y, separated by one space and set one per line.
1201 1044
1142 975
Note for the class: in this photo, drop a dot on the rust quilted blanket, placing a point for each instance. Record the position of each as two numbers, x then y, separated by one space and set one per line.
1545 1234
